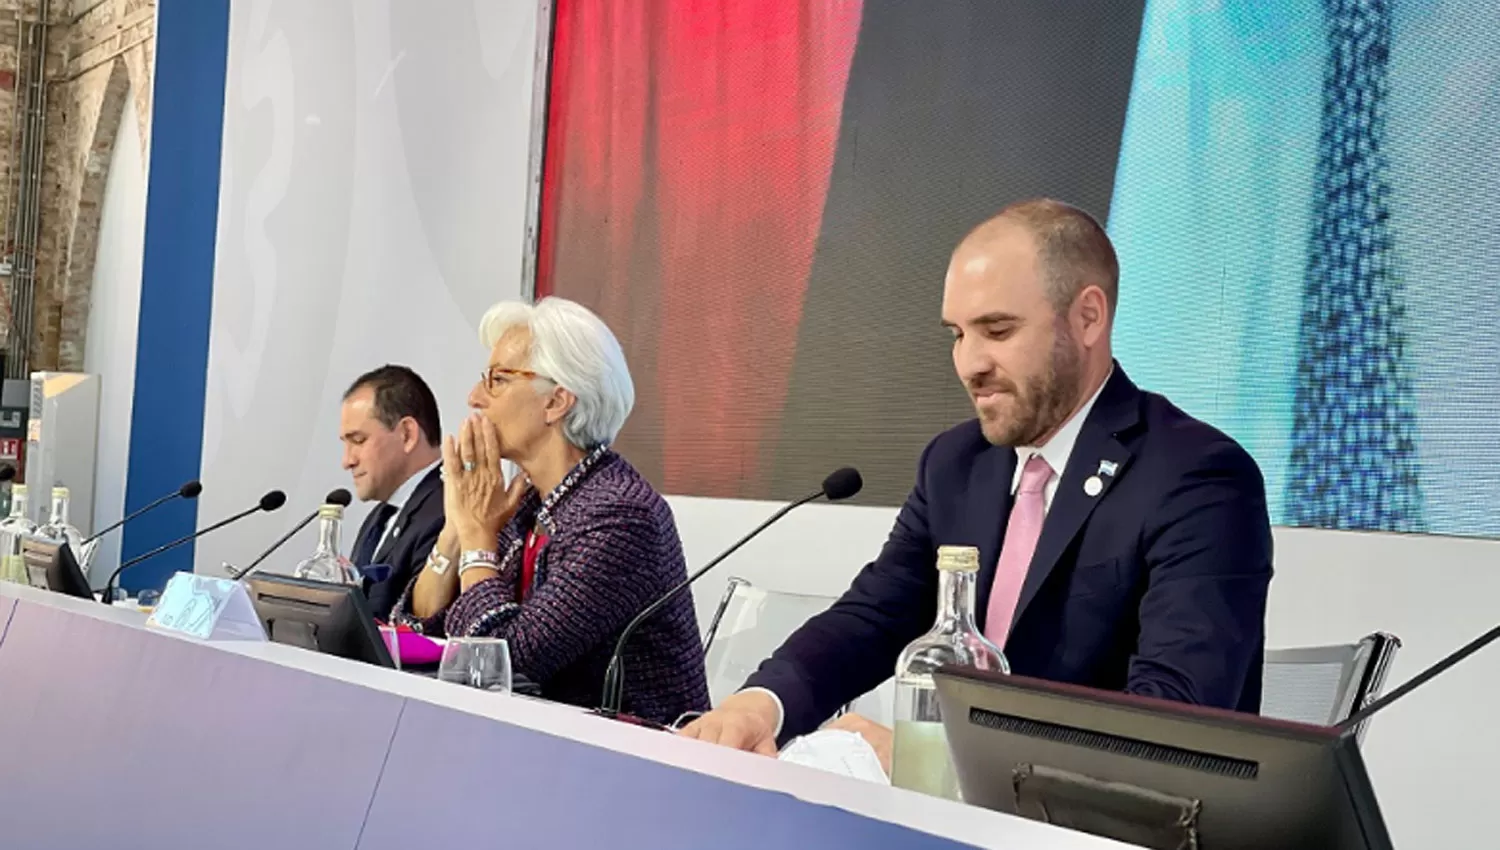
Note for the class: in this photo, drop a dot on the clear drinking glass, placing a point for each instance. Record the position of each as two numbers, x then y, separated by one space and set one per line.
392 640
482 663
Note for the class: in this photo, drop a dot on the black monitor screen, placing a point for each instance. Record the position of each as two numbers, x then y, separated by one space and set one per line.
1155 773
330 618
52 566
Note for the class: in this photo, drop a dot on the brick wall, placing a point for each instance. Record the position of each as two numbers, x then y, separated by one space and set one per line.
98 52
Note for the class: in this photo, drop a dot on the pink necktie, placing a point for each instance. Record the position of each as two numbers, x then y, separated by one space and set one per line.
1021 534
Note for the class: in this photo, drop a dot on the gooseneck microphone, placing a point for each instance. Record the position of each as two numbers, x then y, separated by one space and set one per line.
190 490
338 497
839 485
269 502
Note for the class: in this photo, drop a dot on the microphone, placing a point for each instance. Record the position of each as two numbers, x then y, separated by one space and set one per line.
338 497
7 473
839 485
269 502
190 490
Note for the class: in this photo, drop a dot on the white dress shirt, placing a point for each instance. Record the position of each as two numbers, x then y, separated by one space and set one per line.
399 499
1055 451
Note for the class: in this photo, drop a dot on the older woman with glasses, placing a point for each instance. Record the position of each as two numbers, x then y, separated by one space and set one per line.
579 543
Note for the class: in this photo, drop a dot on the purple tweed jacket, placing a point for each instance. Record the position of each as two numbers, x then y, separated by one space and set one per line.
612 549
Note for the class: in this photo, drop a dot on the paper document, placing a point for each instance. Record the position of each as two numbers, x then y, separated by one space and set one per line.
837 751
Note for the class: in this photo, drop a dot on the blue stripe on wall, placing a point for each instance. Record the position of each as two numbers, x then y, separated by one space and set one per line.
182 206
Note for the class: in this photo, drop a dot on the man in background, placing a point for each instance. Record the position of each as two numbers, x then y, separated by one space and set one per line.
1123 544
392 448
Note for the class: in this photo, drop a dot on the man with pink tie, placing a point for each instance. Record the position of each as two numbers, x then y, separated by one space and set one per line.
1123 544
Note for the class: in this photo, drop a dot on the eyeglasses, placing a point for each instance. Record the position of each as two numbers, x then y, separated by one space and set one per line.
495 378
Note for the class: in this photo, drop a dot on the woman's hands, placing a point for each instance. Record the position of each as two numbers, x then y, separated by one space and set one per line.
476 502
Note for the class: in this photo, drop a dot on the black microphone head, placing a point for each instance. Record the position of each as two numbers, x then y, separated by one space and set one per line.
338 497
7 473
842 483
272 500
190 490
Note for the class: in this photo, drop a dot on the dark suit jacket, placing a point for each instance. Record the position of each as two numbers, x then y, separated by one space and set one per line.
413 533
1156 586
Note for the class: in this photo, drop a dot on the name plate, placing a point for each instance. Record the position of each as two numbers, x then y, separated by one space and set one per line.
207 608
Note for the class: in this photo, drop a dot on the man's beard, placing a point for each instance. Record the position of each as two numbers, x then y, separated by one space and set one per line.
1045 400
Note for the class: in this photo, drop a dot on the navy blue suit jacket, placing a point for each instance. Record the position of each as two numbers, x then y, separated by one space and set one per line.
1155 586
414 532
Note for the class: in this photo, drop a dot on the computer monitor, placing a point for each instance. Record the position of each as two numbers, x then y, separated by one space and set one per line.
1155 773
330 618
53 566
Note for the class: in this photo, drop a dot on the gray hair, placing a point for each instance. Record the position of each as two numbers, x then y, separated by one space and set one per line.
574 349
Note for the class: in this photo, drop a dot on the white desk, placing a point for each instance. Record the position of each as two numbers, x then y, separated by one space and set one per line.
112 734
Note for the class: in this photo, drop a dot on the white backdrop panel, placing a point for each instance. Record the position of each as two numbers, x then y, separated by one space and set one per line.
114 308
372 205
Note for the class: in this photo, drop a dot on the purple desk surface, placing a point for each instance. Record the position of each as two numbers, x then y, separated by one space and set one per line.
124 738
490 785
7 607
117 736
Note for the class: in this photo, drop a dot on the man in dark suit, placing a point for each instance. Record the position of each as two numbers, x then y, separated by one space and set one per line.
1123 544
391 433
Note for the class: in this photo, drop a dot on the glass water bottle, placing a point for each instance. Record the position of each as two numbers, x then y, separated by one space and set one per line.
59 528
13 532
920 760
326 564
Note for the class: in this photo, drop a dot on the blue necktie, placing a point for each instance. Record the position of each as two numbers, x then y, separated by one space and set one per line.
1354 457
364 549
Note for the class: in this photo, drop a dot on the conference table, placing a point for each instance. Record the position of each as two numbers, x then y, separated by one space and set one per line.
114 734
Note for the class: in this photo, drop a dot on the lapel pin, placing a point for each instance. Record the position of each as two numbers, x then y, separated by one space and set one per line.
1093 486
396 532
1108 467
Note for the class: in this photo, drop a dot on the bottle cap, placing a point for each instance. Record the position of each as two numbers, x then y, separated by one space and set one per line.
958 559
59 492
17 490
331 512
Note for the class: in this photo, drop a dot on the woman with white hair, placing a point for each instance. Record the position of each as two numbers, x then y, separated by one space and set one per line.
579 543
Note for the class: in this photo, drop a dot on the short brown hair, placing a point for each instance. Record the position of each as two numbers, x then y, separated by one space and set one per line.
1074 249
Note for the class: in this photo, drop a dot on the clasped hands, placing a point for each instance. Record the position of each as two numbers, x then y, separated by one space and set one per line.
747 721
476 502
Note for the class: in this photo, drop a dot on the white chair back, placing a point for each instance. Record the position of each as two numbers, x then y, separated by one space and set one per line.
750 624
1324 685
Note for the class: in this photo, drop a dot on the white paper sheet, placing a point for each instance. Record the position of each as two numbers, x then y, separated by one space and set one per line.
837 751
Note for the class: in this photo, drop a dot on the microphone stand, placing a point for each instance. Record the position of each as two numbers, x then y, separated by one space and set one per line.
255 564
153 506
614 676
109 585
1352 721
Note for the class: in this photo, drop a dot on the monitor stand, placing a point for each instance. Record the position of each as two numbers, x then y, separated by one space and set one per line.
1117 810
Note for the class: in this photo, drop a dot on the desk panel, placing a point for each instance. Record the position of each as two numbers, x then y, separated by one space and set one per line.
121 737
117 736
490 784
7 607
